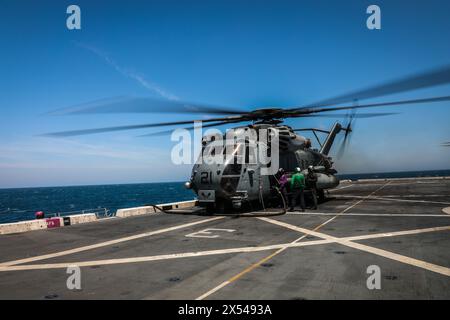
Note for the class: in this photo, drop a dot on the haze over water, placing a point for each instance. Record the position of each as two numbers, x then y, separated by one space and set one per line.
20 204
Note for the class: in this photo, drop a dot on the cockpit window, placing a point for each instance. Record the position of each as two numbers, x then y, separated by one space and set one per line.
238 153
233 164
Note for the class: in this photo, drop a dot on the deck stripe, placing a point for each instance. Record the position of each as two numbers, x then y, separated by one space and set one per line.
369 214
154 258
394 199
380 252
257 264
106 243
342 187
280 246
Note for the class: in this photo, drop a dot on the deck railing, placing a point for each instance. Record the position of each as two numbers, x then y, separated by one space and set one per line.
99 212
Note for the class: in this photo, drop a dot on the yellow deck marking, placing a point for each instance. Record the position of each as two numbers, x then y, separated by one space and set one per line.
154 258
225 251
380 252
257 264
347 241
106 243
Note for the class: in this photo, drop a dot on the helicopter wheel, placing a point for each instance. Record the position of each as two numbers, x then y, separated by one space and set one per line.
321 195
210 208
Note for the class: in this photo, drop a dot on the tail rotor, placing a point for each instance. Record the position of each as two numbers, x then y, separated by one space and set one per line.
347 136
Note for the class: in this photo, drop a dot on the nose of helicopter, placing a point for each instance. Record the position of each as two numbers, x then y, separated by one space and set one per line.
205 181
188 185
213 181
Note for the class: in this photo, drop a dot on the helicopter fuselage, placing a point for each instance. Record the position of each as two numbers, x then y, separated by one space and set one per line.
233 182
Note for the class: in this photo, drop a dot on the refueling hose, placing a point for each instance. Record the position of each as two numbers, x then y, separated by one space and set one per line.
263 213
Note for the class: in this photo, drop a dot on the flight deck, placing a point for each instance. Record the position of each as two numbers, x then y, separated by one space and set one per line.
398 227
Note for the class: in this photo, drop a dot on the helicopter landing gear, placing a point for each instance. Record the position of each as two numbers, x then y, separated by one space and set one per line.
321 195
210 208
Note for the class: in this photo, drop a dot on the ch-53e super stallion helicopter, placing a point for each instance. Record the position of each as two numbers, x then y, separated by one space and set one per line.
233 183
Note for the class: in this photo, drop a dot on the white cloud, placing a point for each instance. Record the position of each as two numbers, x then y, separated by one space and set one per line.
139 78
45 162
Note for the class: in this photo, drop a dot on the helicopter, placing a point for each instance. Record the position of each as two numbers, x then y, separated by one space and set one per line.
233 184
237 181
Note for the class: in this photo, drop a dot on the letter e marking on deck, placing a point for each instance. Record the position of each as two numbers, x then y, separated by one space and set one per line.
208 233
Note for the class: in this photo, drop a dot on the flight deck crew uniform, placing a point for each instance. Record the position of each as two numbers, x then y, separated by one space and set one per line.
297 189
311 183
283 181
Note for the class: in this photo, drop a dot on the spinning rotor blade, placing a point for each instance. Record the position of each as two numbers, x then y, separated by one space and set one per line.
307 111
149 105
302 112
426 79
139 126
360 115
347 137
144 105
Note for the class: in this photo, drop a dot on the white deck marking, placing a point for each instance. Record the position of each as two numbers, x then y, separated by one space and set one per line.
154 258
283 246
106 243
342 187
253 266
393 199
396 233
352 206
207 233
380 252
371 214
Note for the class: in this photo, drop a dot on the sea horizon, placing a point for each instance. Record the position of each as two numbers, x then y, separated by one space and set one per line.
19 204
446 172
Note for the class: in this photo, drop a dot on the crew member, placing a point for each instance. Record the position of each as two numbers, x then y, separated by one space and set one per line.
311 183
297 189
308 143
282 183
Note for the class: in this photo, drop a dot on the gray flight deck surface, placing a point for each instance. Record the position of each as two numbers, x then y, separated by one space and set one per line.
399 225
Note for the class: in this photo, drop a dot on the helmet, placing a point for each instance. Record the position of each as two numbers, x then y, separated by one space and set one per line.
297 169
310 168
281 170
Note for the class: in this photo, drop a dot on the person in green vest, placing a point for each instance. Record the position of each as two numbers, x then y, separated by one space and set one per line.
297 189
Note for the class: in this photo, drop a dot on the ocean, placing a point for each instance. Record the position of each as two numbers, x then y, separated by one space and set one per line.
20 204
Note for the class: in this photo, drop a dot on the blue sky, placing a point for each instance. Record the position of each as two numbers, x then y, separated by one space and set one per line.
243 54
